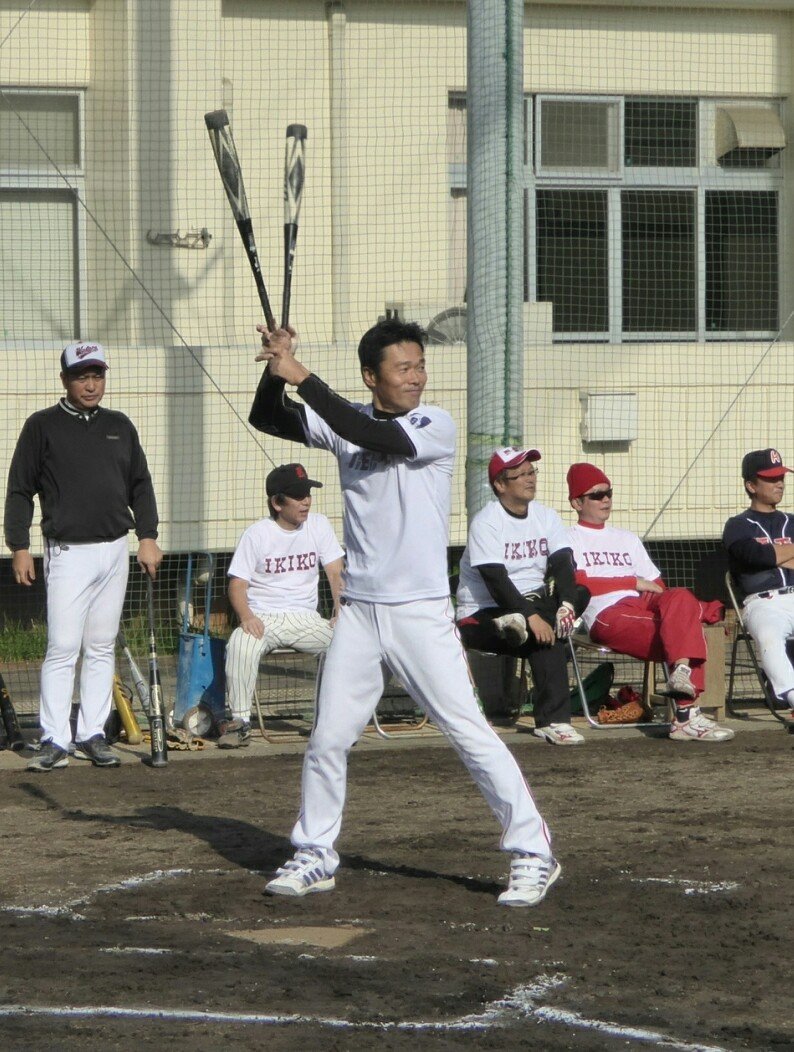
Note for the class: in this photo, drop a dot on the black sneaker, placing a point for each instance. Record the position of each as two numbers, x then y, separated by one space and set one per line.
98 751
49 756
236 735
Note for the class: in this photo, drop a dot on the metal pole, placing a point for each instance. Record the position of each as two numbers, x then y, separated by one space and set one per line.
495 208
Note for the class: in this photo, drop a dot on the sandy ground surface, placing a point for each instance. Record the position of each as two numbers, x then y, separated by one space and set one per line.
133 911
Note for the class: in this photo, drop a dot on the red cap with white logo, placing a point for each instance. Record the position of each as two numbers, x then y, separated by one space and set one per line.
509 457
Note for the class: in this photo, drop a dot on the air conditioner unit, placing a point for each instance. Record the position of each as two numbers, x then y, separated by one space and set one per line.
445 324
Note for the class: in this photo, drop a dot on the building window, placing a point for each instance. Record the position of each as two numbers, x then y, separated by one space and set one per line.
578 136
660 133
572 263
659 269
741 261
41 176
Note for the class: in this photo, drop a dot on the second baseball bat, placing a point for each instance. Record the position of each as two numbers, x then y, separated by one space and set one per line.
159 757
10 719
232 178
294 175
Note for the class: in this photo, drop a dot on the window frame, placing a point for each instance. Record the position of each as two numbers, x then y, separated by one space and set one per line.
67 178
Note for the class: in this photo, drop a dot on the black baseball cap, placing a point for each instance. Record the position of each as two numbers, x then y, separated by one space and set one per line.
291 480
767 463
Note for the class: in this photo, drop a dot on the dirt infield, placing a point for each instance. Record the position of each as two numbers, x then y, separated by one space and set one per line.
140 892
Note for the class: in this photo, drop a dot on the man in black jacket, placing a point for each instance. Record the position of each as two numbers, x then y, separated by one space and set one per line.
89 471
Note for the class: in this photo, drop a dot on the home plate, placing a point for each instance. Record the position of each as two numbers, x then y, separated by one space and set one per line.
328 938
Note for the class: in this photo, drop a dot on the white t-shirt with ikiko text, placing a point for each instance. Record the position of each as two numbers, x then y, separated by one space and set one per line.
521 544
396 508
609 552
282 567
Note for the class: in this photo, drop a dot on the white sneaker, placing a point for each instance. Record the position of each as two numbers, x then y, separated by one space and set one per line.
559 734
530 878
301 875
680 681
512 628
699 728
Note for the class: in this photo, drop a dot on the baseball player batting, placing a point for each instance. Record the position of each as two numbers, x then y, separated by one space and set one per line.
395 458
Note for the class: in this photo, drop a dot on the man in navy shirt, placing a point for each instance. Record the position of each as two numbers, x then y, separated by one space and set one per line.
760 545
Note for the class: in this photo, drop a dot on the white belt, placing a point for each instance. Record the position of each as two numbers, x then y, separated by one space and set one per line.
771 594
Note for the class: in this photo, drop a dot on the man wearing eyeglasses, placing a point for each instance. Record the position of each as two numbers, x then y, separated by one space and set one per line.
632 611
760 545
517 593
89 471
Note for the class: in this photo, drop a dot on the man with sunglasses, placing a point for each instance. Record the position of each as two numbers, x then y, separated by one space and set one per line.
517 593
760 545
632 611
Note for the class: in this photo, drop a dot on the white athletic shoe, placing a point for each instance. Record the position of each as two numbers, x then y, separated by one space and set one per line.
680 681
530 878
559 734
302 875
699 728
512 628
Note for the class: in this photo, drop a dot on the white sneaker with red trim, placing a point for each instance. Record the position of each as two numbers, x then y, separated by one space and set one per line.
559 734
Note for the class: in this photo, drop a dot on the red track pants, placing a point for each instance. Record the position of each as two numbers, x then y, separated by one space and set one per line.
654 627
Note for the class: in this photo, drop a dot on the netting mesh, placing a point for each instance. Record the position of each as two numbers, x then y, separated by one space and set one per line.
655 242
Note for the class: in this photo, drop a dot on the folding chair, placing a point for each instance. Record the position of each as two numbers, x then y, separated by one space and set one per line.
741 635
580 638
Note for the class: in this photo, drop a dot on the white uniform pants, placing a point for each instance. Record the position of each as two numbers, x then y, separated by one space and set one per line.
771 622
419 643
86 585
303 630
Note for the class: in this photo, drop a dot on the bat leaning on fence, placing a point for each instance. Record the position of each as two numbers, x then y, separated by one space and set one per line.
231 173
138 679
10 720
123 702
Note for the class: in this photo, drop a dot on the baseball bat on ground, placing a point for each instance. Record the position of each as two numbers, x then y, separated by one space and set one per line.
232 178
294 174
137 676
159 757
10 719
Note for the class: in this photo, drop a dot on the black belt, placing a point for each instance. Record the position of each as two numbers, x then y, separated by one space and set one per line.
771 594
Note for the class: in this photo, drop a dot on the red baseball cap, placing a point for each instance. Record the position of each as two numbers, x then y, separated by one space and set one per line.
582 476
509 457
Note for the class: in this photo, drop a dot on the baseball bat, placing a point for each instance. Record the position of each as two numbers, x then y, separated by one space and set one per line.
231 173
294 174
122 699
10 719
135 672
159 757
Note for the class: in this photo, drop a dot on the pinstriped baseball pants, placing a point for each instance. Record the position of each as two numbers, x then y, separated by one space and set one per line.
303 630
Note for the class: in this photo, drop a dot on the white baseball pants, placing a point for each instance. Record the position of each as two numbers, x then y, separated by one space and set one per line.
418 642
86 585
303 630
771 623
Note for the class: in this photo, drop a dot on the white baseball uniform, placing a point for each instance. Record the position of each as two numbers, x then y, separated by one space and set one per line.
397 617
282 569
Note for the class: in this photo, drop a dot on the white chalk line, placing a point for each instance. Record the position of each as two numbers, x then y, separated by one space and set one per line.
520 1003
560 1015
691 887
69 909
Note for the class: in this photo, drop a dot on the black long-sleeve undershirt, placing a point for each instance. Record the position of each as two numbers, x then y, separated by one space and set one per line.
506 596
276 414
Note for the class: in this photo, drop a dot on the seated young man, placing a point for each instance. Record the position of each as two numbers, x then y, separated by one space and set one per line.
517 593
760 545
632 611
273 588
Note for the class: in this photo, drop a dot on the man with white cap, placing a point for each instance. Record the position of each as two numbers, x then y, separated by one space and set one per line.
88 469
517 593
632 611
760 545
